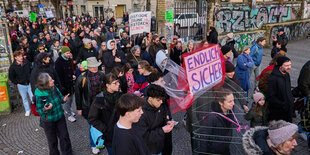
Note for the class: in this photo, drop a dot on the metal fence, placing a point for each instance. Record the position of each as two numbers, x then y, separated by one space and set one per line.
190 19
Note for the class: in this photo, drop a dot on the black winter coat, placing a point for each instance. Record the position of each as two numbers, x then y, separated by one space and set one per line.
102 111
215 127
231 44
109 60
175 55
304 80
65 72
83 95
85 53
150 127
47 68
281 37
20 74
153 51
124 43
279 97
213 37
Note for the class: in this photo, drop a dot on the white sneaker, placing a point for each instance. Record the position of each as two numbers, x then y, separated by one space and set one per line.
71 119
95 150
27 113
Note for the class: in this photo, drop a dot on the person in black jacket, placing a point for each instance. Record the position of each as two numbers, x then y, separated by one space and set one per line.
231 43
175 54
113 57
280 36
43 64
153 123
33 46
212 36
102 114
125 139
19 74
279 97
63 67
217 131
87 51
125 43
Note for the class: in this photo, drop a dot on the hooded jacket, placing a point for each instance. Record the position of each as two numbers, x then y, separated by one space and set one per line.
256 53
20 74
160 57
85 53
33 46
109 59
64 70
254 142
279 97
243 72
150 127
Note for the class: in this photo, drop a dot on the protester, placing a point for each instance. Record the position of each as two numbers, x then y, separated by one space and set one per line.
279 46
258 113
63 67
141 83
280 36
217 140
125 43
175 54
128 71
135 56
153 49
279 94
163 42
227 53
87 51
231 43
86 88
102 114
257 54
113 57
48 103
55 50
212 35
103 49
19 74
278 138
244 63
153 123
125 139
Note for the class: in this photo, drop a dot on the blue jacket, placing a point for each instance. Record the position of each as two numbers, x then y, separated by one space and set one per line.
243 72
256 53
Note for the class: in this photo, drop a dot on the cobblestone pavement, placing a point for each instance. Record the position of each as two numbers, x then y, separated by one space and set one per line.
23 135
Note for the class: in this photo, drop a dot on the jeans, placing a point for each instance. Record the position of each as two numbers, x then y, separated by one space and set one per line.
23 91
110 150
58 130
67 105
91 142
256 70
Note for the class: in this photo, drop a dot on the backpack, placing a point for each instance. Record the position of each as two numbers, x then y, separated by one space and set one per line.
305 116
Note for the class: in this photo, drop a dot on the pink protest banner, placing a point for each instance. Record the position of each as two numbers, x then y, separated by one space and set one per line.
204 68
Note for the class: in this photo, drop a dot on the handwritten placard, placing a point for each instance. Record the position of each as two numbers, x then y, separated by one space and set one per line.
204 69
140 22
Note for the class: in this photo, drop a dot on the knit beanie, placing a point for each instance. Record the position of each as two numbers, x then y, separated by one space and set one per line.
281 60
161 37
257 96
282 134
65 49
229 67
225 49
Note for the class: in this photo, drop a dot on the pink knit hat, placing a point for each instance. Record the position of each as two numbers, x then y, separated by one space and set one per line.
257 96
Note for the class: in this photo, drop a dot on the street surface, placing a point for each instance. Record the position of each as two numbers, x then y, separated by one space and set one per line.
23 135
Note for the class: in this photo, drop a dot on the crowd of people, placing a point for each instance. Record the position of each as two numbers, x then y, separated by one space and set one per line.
116 81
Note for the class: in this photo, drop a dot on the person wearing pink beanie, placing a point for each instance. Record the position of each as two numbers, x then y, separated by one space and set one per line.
258 113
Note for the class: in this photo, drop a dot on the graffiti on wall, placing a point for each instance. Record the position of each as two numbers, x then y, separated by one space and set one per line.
244 19
293 31
244 39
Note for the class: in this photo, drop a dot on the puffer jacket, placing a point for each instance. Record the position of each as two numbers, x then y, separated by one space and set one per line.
254 142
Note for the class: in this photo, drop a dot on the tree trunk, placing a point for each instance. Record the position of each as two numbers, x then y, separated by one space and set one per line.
148 5
57 7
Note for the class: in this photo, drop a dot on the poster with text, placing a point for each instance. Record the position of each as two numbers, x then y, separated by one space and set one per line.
204 69
140 22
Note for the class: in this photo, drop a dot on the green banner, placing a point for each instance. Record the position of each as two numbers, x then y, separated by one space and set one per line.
33 16
169 16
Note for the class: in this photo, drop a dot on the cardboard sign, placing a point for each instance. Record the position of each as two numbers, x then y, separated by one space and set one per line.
140 22
33 16
204 68
169 16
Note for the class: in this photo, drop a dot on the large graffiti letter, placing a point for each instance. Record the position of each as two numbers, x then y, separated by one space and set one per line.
277 13
262 16
224 20
238 24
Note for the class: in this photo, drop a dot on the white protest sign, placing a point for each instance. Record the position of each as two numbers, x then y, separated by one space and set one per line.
140 22
49 14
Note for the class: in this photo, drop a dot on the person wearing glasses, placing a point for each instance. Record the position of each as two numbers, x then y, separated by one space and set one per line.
113 57
102 114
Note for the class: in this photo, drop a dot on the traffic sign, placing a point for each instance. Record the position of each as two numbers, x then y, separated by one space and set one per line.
40 6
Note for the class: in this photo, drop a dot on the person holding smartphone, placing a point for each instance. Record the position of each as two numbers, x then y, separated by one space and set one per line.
48 102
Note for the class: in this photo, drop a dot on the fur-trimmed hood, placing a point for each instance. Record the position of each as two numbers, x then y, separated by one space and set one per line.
248 142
